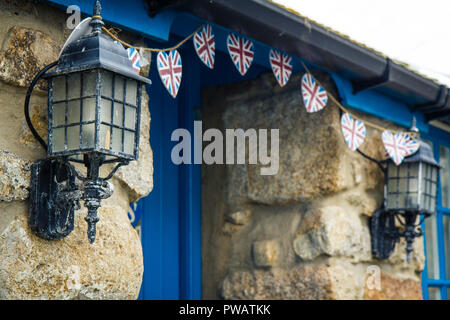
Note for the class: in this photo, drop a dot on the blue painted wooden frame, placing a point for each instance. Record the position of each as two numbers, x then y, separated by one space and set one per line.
443 283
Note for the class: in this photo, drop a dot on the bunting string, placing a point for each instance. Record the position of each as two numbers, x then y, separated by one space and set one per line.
115 37
345 110
398 144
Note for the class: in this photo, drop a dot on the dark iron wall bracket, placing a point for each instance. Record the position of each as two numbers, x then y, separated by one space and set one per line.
360 85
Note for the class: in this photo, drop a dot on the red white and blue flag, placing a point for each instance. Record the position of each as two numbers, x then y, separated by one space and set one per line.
170 70
205 45
399 145
314 96
412 145
281 65
241 51
354 131
133 55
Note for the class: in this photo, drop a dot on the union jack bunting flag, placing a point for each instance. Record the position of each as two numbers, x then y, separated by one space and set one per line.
205 45
412 145
314 96
399 145
133 55
354 131
281 66
170 70
241 52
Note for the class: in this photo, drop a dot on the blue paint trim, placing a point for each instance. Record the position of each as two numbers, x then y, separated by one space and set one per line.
190 186
378 105
160 223
171 228
132 17
443 283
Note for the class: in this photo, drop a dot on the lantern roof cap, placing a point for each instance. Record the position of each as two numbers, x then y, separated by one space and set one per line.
424 154
92 51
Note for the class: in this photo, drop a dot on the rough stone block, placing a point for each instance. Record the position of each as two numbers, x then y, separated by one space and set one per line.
26 51
332 231
305 282
266 253
14 177
240 217
394 289
72 268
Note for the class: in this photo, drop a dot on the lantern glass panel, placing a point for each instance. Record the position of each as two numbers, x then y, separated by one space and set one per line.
59 114
129 142
59 88
105 137
73 111
90 83
73 126
74 86
402 186
58 139
131 92
73 138
88 136
119 87
107 84
89 109
130 117
429 187
116 143
118 114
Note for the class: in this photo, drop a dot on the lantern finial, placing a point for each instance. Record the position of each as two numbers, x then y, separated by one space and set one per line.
413 125
97 22
97 9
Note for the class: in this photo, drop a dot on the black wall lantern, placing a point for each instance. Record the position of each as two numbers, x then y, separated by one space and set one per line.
410 191
94 107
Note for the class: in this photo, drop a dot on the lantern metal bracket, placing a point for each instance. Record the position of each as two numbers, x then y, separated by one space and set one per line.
55 195
385 233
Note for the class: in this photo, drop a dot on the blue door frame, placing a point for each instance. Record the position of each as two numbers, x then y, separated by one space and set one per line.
171 223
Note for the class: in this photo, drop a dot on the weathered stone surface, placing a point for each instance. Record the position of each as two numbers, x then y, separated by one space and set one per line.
71 268
332 231
303 283
240 217
306 282
314 159
317 207
138 175
398 257
26 51
14 177
394 289
266 253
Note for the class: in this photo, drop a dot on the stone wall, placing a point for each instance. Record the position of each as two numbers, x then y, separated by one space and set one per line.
302 233
31 36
